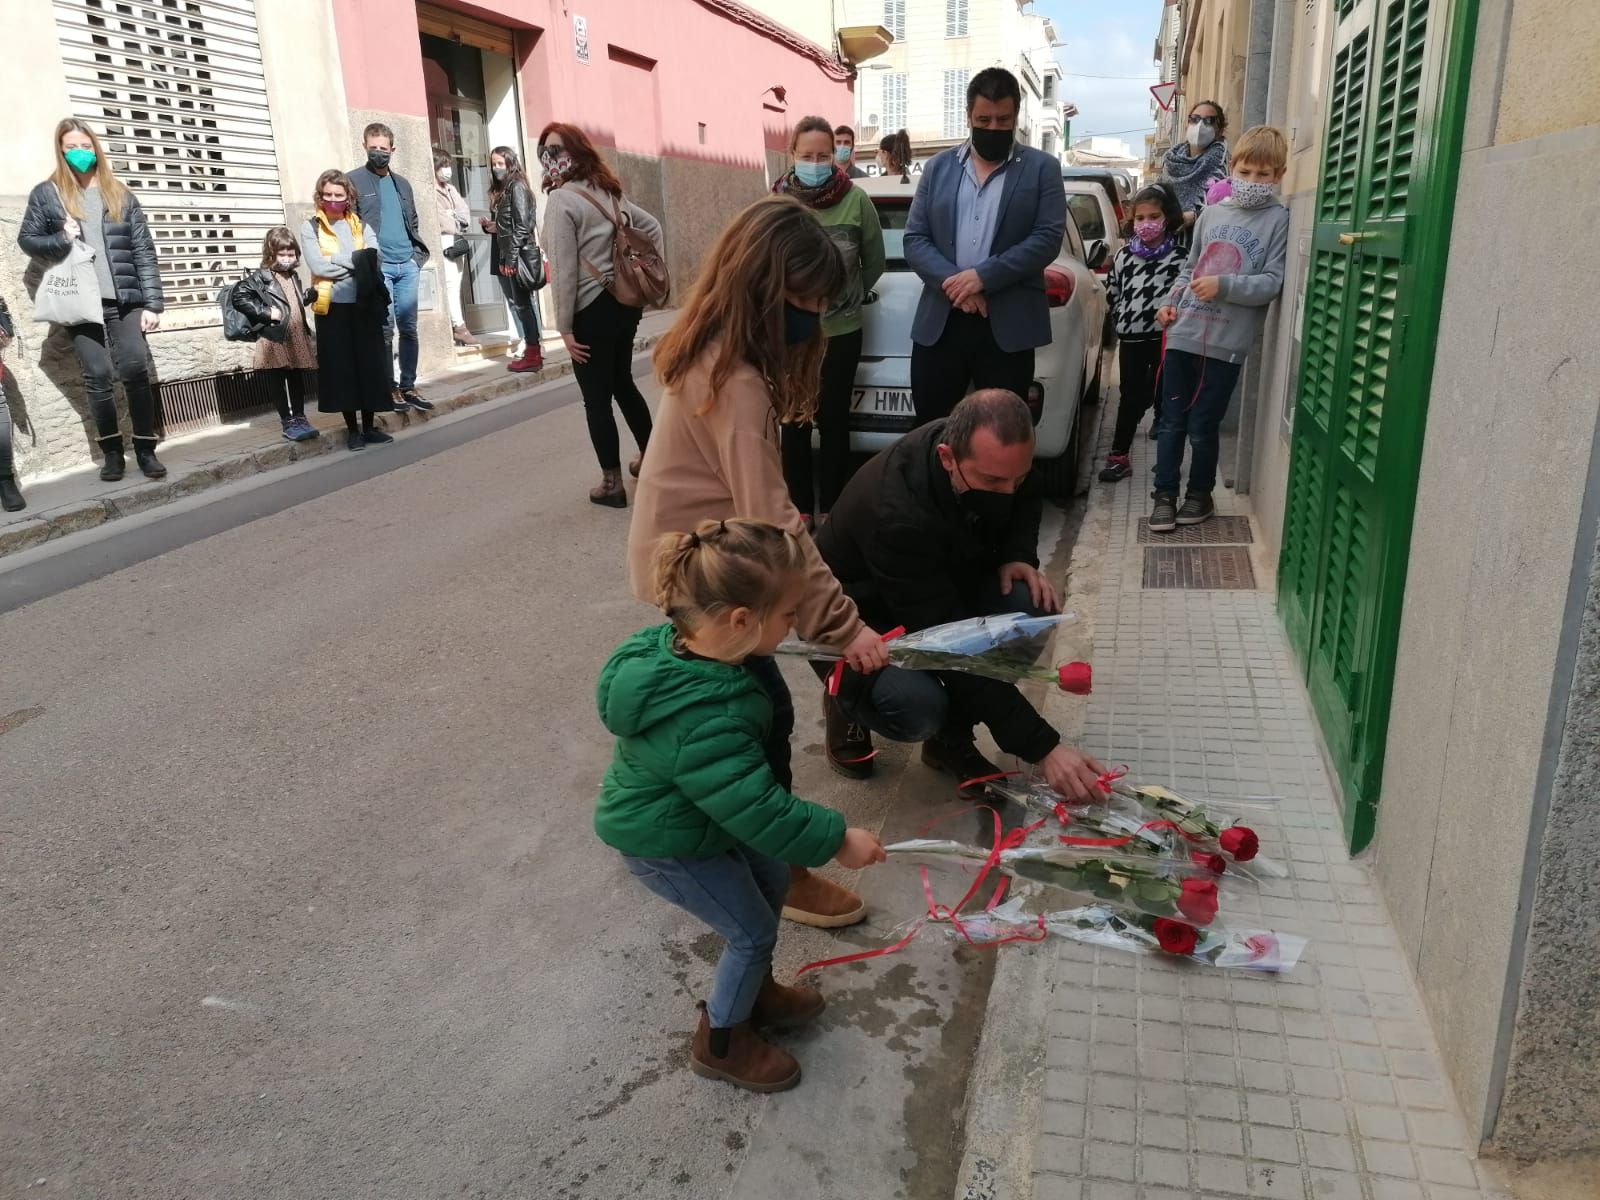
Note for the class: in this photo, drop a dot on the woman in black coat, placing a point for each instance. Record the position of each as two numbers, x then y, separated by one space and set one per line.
84 199
516 256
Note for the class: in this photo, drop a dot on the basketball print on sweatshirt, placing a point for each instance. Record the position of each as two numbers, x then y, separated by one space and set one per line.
1219 258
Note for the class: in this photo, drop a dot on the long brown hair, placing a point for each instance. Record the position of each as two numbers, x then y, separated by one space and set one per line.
587 165
772 250
113 193
514 172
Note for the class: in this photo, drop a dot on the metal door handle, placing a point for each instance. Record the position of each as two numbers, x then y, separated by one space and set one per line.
1350 239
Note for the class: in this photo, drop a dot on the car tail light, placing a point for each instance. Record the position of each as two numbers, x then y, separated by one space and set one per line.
1057 287
1104 268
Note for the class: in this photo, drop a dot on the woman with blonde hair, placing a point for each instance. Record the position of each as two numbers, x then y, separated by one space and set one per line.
744 357
84 200
352 305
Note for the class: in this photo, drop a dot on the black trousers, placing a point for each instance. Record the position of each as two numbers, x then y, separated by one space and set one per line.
116 350
964 356
833 422
607 328
288 391
1139 359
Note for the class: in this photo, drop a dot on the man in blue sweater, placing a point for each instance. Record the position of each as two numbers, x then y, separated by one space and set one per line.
986 221
388 208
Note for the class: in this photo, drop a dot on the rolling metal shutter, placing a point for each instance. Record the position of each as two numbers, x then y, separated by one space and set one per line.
176 87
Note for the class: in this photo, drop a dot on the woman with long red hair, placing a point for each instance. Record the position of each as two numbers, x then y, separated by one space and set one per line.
581 216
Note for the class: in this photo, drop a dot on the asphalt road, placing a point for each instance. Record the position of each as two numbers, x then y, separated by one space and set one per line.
299 892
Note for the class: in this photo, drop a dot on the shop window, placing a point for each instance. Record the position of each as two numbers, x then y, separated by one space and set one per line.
176 89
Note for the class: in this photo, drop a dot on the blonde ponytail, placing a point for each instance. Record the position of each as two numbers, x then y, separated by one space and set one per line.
724 565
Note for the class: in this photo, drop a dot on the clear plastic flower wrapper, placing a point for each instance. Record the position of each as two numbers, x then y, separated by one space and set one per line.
1136 933
1151 822
1005 647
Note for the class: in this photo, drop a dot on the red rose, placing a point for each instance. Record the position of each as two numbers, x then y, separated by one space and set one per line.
1211 862
1076 677
1241 842
1198 900
1175 937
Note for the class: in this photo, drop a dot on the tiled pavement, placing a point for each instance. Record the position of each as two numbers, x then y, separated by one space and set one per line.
1163 1082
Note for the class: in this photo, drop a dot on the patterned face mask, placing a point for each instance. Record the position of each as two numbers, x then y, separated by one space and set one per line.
1150 231
1248 194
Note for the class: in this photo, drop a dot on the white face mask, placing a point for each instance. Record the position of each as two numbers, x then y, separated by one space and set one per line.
1250 194
1201 135
443 174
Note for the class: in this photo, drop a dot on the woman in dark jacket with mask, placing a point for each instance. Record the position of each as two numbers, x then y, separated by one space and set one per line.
517 260
84 199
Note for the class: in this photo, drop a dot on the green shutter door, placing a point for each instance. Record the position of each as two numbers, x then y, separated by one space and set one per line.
1390 151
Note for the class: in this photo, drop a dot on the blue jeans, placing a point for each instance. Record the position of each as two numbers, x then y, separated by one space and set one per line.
740 895
402 280
1194 398
913 706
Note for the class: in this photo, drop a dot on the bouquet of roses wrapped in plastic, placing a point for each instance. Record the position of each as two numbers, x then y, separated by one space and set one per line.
1005 647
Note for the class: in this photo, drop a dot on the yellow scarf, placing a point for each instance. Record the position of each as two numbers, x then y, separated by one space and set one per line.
328 241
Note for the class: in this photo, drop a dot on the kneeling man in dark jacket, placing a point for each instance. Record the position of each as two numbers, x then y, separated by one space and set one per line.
939 527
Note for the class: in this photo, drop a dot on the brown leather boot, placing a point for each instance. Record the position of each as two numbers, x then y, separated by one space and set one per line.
779 1007
821 903
745 1060
610 492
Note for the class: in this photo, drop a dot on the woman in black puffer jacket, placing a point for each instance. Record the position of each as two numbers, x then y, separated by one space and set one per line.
83 199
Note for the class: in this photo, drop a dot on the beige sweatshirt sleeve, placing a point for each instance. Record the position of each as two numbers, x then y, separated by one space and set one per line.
560 245
743 427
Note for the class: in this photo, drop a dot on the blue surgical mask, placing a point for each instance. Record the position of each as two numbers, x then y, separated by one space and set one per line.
799 324
813 174
841 154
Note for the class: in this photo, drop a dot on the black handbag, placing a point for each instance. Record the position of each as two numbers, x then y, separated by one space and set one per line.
532 272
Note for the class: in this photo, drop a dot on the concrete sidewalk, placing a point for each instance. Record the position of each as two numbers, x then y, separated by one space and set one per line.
1141 1078
203 459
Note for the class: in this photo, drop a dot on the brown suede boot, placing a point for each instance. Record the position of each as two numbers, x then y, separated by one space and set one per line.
610 492
746 1059
779 1007
821 903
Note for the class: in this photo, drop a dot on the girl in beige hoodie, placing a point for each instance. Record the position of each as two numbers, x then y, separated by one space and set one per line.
745 356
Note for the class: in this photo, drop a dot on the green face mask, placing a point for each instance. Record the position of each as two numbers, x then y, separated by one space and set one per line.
79 160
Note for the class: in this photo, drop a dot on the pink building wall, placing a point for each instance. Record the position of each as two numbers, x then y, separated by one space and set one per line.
700 67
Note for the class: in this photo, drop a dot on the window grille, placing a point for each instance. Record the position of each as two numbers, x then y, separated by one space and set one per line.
955 103
894 18
894 102
176 89
955 18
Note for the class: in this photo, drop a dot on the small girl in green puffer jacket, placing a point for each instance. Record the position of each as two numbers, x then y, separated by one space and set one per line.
689 799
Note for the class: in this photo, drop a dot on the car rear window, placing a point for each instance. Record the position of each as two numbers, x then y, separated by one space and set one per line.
1087 213
892 214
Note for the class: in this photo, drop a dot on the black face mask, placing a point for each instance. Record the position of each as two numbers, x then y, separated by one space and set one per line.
993 145
799 324
990 509
378 159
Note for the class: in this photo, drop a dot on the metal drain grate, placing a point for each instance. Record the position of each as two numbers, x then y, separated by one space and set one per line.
1201 568
1219 531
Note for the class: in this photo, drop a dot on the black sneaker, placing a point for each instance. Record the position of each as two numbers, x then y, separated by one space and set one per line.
961 759
409 395
1197 507
849 746
1117 467
1164 514
376 437
354 441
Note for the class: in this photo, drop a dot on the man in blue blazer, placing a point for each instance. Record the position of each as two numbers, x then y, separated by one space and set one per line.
987 219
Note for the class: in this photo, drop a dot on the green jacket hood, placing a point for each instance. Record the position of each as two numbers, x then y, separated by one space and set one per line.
645 683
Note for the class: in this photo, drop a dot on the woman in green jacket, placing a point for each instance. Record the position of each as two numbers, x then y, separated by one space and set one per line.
689 799
817 181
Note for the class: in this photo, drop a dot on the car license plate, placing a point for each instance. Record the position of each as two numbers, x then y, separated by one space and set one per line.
882 408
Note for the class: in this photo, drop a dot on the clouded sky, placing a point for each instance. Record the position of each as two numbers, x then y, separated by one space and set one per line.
1107 37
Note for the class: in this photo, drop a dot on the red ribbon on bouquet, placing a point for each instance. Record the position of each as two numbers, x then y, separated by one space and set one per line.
939 912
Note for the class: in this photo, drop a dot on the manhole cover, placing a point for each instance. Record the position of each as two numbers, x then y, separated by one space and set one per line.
1204 568
1219 531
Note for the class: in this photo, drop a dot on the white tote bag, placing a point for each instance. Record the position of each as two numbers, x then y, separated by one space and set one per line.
69 293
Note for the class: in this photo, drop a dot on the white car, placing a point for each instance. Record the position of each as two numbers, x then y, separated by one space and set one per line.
1097 222
1068 369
